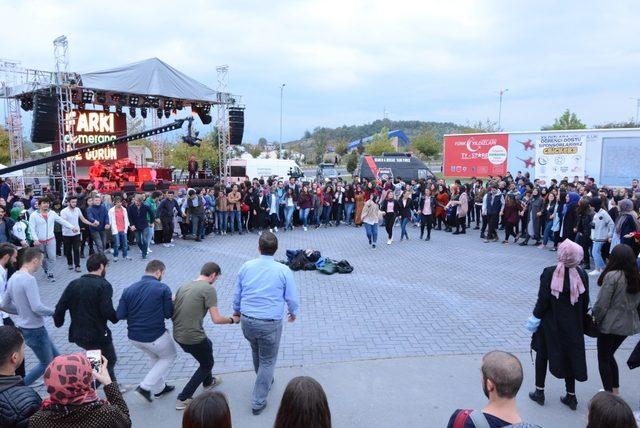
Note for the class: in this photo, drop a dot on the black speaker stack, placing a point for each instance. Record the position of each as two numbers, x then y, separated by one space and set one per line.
236 125
44 126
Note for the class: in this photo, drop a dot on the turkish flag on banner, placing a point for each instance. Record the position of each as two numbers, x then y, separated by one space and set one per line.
475 155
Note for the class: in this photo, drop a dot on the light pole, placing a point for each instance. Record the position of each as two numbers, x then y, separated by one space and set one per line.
281 93
502 91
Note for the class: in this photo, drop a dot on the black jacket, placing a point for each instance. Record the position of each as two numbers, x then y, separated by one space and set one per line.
405 210
560 337
165 208
17 402
8 223
88 300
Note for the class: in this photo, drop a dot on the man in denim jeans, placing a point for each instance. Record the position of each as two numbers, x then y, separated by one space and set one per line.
23 299
263 287
139 217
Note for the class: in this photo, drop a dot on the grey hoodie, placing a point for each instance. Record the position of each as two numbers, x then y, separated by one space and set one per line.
603 226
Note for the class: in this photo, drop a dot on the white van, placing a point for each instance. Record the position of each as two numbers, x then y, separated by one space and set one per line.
262 168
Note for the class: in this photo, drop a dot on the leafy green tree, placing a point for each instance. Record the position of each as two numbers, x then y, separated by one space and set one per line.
320 147
380 144
352 161
567 120
342 147
631 123
5 158
262 141
426 143
253 149
481 127
307 134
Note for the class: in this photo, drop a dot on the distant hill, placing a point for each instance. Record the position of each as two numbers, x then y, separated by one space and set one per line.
331 136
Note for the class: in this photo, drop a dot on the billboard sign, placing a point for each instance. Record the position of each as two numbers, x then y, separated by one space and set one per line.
93 127
560 155
475 155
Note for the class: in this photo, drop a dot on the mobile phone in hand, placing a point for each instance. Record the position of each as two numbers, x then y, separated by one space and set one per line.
95 358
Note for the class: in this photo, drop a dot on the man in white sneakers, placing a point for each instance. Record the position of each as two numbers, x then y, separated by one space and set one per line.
41 224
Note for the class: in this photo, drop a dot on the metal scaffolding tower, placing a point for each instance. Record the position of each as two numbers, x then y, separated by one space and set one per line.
222 122
66 121
158 145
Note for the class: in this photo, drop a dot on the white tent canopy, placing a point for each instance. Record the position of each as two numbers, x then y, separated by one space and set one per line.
149 77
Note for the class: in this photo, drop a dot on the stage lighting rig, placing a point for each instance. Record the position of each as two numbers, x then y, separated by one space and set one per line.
191 138
132 112
134 100
143 112
101 97
87 97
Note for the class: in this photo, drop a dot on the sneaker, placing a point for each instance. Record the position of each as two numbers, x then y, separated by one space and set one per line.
128 258
486 241
271 230
595 272
389 241
304 228
166 245
182 404
51 278
275 229
541 246
537 396
115 260
144 394
259 410
166 390
78 269
149 250
217 380
373 245
70 267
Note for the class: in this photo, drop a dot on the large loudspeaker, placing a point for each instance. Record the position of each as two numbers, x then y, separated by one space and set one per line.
129 187
198 183
163 185
44 126
148 186
236 125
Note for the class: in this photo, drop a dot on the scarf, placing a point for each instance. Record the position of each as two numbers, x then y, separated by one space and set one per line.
625 207
69 381
569 256
573 199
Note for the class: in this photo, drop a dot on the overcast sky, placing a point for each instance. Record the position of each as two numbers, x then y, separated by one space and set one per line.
345 62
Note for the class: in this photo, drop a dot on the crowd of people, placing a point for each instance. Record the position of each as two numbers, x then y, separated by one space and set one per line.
575 218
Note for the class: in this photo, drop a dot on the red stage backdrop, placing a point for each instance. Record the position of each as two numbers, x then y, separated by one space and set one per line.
92 127
475 155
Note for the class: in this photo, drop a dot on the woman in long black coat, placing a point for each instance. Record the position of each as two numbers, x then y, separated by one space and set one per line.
563 302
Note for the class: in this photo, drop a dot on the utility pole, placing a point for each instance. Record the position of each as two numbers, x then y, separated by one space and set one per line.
637 110
502 91
281 98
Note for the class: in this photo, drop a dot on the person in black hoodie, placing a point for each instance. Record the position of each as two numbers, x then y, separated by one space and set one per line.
391 209
17 402
88 300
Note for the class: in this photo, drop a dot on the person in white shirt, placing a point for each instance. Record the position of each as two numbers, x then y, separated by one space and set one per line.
41 224
70 238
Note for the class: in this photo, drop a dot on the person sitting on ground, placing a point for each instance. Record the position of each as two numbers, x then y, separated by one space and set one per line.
607 410
304 404
17 402
501 379
208 410
73 401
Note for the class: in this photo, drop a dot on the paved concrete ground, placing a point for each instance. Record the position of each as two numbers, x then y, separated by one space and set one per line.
399 392
453 295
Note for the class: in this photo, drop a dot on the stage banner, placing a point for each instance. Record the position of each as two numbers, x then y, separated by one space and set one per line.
92 127
560 155
475 155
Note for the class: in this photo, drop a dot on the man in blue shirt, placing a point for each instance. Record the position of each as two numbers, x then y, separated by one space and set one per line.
145 305
140 216
263 287
98 215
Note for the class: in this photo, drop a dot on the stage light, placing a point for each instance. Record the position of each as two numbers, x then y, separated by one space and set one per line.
167 112
179 105
143 112
87 97
118 109
204 117
168 104
146 102
105 108
133 100
26 103
159 113
132 111
206 108
101 98
74 96
155 103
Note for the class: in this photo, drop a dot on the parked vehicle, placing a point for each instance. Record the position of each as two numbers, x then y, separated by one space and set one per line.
262 168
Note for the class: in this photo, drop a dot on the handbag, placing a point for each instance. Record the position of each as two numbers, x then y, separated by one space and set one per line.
589 325
244 208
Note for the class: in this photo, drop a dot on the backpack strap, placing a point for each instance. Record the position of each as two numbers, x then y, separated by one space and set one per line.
479 419
461 418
